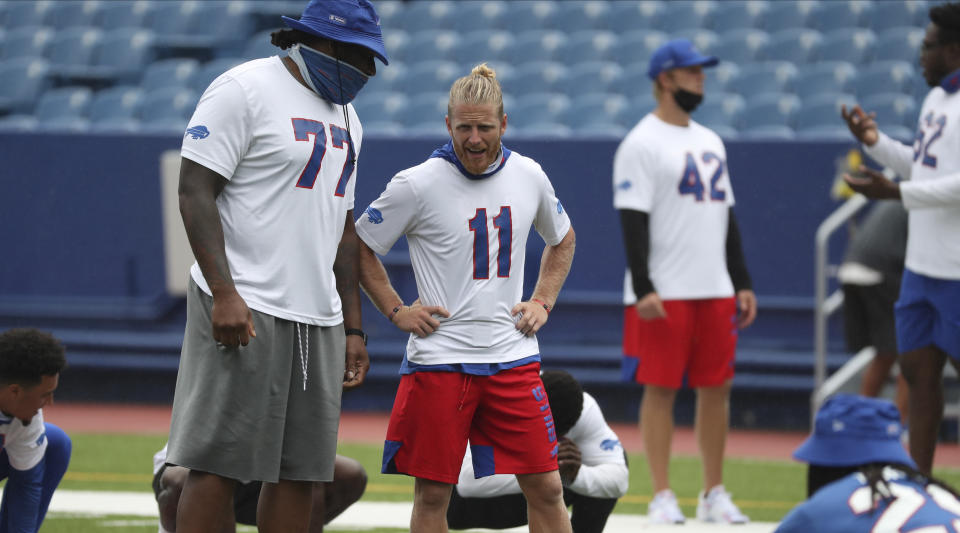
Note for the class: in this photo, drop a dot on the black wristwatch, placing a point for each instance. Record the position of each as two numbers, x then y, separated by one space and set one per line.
359 333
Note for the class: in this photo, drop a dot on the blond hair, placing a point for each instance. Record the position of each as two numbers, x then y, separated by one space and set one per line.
478 88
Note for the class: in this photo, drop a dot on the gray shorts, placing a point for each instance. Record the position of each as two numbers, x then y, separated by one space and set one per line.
249 413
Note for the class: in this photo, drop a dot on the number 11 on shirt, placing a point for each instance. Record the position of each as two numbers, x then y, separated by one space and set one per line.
481 254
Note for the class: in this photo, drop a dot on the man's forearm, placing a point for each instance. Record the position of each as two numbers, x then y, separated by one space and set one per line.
375 282
201 220
346 268
554 267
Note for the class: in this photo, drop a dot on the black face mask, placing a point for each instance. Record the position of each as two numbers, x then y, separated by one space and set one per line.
687 100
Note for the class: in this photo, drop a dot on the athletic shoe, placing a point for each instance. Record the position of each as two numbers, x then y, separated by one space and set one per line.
663 509
716 506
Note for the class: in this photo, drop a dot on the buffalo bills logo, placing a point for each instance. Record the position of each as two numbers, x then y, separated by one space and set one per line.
609 444
623 185
559 208
198 132
374 215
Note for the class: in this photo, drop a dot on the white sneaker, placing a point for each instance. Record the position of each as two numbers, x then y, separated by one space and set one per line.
663 509
716 506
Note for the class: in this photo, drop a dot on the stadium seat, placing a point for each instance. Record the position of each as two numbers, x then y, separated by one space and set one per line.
638 45
577 16
629 15
587 45
541 130
689 14
432 128
888 15
701 38
482 45
740 45
765 77
591 77
433 45
787 15
30 41
770 109
388 11
396 41
719 76
539 76
768 133
422 16
598 108
837 14
529 16
383 128
115 104
720 109
824 110
259 45
178 72
22 80
167 103
892 109
210 70
739 14
205 29
63 124
854 45
18 122
824 133
115 125
474 16
20 14
534 45
122 14
122 55
900 44
422 108
63 102
66 14
885 76
429 76
165 126
72 48
639 107
532 108
380 109
796 45
825 77
599 130
632 81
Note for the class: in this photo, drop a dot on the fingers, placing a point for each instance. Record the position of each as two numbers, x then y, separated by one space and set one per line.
532 318
437 310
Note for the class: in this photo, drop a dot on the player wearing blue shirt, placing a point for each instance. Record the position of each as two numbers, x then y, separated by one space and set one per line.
884 492
33 455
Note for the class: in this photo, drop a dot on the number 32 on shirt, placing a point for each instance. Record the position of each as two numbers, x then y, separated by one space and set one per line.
690 182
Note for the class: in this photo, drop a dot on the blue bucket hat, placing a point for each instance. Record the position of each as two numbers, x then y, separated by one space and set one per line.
677 53
852 430
348 21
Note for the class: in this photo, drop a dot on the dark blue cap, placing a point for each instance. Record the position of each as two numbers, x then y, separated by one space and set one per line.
677 53
348 21
852 430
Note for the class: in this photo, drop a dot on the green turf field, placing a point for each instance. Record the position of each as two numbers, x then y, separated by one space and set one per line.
765 490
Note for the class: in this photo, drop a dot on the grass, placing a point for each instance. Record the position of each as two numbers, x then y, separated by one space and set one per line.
765 490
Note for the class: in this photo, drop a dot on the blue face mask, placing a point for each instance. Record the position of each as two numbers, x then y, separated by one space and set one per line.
320 71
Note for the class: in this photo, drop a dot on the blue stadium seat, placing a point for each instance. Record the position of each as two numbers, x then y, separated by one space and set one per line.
720 110
765 77
701 38
824 133
825 77
529 16
687 14
640 105
383 128
30 41
892 109
65 14
432 128
739 14
171 17
63 102
167 103
900 44
396 41
64 124
420 16
259 45
770 109
210 70
541 130
177 72
740 45
629 15
115 104
638 45
380 109
539 76
854 45
474 16
534 45
768 133
72 48
122 14
389 12
719 76
212 27
632 80
428 76
888 15
885 76
592 76
834 15
20 14
22 80
576 16
122 55
796 45
166 126
610 130
787 15
423 108
532 108
19 122
588 45
433 45
115 125
824 110
479 46
598 108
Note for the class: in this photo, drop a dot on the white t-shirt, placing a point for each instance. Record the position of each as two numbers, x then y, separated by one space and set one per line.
603 472
678 175
467 240
932 196
24 444
285 151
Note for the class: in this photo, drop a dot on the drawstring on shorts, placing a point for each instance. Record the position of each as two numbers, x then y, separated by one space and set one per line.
304 353
467 379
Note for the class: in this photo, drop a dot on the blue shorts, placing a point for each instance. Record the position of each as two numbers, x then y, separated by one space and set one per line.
928 313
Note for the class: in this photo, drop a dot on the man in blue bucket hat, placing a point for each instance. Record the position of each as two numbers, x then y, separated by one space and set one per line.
860 477
273 334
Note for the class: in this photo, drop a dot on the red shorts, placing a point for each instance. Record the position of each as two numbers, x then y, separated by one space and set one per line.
697 340
506 416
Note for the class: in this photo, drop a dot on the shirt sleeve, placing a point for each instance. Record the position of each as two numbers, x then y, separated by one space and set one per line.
551 222
891 153
26 444
390 216
603 472
223 114
942 191
632 187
